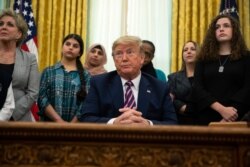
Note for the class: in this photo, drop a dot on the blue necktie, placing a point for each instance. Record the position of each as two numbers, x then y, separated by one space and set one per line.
129 96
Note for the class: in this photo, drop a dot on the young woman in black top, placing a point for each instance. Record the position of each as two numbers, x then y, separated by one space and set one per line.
221 88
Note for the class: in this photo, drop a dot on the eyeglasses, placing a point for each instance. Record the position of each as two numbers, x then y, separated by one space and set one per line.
129 53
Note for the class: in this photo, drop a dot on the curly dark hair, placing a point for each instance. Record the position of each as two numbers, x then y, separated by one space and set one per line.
210 47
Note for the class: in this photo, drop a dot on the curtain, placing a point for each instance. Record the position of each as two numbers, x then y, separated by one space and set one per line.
151 20
244 15
191 19
148 19
4 4
106 24
55 19
189 22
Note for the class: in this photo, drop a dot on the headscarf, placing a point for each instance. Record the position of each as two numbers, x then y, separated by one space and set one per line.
96 70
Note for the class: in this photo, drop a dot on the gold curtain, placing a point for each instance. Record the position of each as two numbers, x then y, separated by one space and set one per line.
55 19
190 20
244 15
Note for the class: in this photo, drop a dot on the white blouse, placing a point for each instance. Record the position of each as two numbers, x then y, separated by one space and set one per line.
9 105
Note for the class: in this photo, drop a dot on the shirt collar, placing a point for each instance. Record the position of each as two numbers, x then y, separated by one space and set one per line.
135 81
58 65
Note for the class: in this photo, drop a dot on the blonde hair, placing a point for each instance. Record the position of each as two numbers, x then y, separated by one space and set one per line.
128 40
20 23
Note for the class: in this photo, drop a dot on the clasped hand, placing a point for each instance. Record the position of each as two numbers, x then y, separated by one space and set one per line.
229 115
131 117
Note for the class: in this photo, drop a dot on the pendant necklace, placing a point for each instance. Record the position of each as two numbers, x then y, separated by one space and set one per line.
221 67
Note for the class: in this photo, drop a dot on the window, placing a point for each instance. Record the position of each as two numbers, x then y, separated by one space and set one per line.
148 19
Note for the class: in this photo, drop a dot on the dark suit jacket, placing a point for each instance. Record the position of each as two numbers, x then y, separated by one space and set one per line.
181 88
106 97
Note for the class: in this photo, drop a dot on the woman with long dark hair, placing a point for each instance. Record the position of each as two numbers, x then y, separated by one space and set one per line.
64 86
221 88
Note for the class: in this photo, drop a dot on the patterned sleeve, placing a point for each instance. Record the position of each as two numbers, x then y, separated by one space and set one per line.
87 76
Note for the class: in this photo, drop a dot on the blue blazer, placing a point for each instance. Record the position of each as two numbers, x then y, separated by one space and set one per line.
106 97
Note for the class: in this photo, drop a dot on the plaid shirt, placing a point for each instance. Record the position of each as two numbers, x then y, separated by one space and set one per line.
59 88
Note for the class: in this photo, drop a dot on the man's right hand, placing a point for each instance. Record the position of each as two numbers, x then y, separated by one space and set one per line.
130 117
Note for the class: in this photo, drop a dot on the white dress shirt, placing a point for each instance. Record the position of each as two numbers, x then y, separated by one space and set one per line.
9 105
135 87
135 90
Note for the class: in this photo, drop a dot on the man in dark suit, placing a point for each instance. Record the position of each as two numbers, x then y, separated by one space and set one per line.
149 102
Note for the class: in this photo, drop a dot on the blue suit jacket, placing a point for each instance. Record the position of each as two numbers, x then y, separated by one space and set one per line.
106 97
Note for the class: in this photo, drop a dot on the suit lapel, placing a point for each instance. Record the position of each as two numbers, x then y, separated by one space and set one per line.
144 95
116 89
17 60
17 73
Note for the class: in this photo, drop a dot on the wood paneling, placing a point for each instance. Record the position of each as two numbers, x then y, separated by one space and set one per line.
97 145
